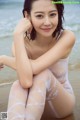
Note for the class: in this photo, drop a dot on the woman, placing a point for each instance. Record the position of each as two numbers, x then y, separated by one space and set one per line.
41 51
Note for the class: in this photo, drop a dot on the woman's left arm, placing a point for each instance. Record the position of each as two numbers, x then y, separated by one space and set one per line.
61 49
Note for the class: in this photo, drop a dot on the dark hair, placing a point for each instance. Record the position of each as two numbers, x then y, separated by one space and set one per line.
60 8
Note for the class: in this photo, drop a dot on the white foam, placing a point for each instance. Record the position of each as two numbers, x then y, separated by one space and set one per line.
2 84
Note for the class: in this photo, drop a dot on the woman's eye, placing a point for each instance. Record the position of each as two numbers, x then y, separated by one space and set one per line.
53 14
39 16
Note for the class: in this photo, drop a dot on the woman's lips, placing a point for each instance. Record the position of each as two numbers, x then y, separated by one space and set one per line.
47 29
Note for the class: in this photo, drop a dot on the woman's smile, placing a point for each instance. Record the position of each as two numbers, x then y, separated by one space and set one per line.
46 29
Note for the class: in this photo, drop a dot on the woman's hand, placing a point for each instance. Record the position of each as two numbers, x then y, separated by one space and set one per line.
7 61
23 26
1 66
2 61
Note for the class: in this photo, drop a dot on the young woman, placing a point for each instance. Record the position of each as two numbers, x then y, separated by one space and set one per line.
41 51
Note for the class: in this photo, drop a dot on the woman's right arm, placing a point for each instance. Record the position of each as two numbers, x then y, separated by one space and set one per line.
23 65
11 62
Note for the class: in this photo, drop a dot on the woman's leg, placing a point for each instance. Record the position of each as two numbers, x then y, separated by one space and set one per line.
36 99
17 102
60 101
37 95
44 84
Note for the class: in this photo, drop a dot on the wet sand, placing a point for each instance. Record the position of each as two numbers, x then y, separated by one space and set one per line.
74 76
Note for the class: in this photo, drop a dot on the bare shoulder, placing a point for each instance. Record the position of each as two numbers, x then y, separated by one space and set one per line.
69 32
66 41
69 36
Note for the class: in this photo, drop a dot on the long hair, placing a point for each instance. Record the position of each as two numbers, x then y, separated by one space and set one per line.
60 8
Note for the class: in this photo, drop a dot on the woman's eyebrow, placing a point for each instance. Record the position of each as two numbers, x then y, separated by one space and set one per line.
43 12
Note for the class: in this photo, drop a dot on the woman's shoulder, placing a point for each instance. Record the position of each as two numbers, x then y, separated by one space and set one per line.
67 39
69 33
69 36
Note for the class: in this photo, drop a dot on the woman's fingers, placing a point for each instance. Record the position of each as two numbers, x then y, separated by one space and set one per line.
1 66
23 26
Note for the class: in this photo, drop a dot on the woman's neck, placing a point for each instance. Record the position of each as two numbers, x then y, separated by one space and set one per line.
44 41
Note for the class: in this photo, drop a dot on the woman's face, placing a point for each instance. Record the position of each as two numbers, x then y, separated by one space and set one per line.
44 17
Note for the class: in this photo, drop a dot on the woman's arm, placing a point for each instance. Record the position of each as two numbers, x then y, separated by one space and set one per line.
61 49
9 61
23 65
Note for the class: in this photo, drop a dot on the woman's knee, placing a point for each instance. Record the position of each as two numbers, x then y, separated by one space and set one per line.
41 78
45 77
16 88
45 74
15 85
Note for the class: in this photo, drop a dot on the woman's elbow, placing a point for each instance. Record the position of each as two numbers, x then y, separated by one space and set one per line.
26 83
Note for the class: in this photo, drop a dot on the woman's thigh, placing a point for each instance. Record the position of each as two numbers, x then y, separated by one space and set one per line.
59 102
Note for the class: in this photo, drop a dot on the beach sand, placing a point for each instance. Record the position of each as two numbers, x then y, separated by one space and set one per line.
74 76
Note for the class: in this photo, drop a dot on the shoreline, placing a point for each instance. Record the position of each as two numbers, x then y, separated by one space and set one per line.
2 84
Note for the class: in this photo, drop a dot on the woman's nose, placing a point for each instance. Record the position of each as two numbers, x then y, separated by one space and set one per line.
47 21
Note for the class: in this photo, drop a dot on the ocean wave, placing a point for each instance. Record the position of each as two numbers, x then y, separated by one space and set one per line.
73 27
76 28
8 80
75 66
8 32
3 84
2 37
